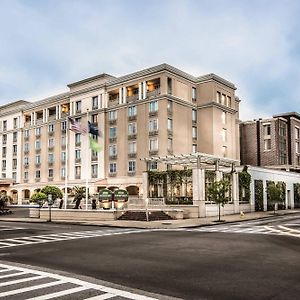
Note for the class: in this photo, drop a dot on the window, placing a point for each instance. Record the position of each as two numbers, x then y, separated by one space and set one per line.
170 144
194 132
194 94
3 165
50 173
224 151
26 175
14 175
170 106
218 97
224 135
95 102
112 115
170 124
77 138
78 106
78 172
297 147
131 128
63 125
152 165
112 132
4 125
132 147
38 131
15 163
297 133
37 145
63 172
77 154
26 133
4 139
63 156
228 101
224 118
94 170
112 149
3 175
282 158
26 161
194 148
37 174
37 159
153 124
267 129
194 115
15 122
63 140
223 99
131 111
50 158
51 143
153 144
131 166
15 137
153 106
169 81
112 168
94 118
267 144
51 128
15 149
3 151
282 129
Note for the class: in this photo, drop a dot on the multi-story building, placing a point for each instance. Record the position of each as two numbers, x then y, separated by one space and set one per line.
273 142
154 112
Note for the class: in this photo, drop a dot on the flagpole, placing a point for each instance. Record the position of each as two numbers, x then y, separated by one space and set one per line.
87 162
66 164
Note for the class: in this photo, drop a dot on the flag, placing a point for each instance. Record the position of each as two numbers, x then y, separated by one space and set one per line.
92 129
77 127
94 145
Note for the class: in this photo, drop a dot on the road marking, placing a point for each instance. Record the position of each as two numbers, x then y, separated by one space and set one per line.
64 236
289 229
80 286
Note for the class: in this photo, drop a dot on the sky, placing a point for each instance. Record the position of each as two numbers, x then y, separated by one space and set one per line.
47 44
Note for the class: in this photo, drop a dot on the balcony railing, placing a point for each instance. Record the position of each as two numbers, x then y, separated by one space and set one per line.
39 121
113 140
51 133
94 175
113 122
153 132
77 176
153 93
26 138
153 113
153 152
113 157
77 144
4 142
94 158
112 174
37 179
132 118
52 118
50 148
132 155
132 98
131 173
132 136
78 160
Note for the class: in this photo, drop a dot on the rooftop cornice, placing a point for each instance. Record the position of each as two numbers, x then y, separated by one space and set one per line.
90 79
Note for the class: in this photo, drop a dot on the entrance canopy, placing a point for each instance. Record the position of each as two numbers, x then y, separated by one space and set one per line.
194 160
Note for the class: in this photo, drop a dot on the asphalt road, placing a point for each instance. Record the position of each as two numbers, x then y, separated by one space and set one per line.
249 260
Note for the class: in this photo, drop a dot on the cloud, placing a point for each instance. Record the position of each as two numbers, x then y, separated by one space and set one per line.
48 44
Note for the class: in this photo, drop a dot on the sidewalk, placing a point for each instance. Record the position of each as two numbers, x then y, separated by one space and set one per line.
169 224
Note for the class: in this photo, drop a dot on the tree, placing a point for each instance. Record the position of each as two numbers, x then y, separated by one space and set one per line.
79 194
52 190
4 199
218 193
39 198
275 193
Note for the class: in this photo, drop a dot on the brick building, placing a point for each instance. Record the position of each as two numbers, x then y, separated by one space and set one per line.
273 142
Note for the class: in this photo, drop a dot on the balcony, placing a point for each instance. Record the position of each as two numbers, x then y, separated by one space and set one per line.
95 107
25 180
15 153
112 174
153 152
26 166
153 132
77 176
113 157
132 136
37 150
4 142
132 155
131 173
39 121
50 163
3 155
63 146
26 151
94 158
94 175
153 93
132 98
26 138
113 99
52 118
15 140
63 130
77 144
50 148
3 168
78 160
37 165
113 122
38 134
50 133
113 140
50 178
37 179
132 118
153 113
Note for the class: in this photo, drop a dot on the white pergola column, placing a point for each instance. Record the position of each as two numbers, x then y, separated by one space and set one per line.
59 111
265 201
140 90
124 94
120 96
32 119
235 192
144 89
71 108
145 186
199 191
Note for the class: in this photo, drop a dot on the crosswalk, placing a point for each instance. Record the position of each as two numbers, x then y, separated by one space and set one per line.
251 229
26 283
10 228
57 237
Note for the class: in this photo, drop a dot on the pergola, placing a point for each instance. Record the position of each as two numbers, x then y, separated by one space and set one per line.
198 162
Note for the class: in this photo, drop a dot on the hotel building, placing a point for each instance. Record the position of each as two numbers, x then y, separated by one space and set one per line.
158 111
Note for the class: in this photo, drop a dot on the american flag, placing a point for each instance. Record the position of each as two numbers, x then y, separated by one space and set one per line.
77 127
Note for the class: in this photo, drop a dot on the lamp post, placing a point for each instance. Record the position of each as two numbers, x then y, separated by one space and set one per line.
50 203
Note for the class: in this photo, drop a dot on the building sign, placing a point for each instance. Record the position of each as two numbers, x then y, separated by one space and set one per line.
105 195
120 195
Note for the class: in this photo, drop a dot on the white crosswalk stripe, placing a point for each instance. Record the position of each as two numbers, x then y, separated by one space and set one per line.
74 288
6 228
247 228
38 239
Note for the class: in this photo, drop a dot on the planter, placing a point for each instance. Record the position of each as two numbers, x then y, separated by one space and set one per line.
34 212
119 204
106 204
